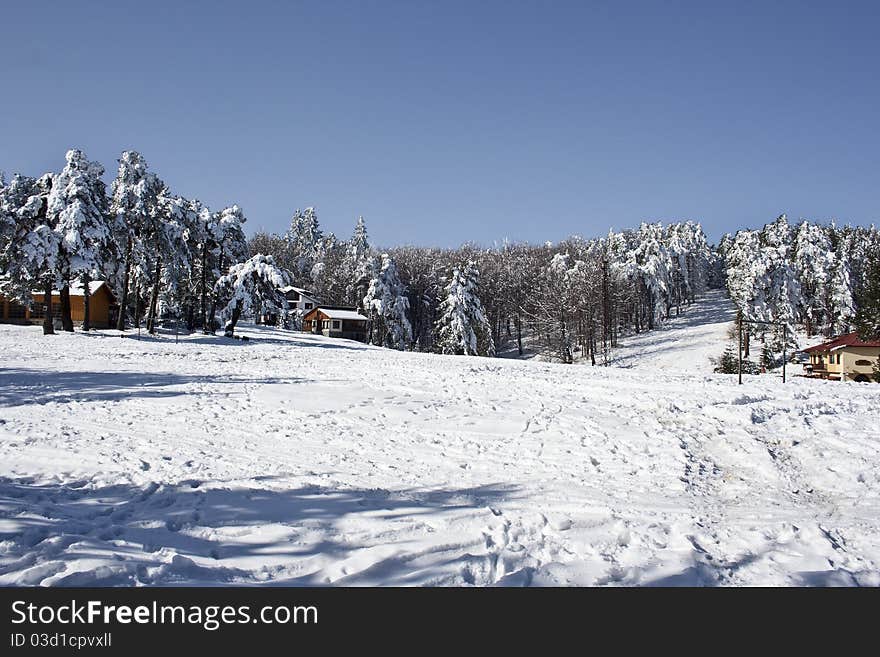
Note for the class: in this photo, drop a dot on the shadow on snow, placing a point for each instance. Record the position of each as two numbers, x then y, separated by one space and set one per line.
19 386
180 534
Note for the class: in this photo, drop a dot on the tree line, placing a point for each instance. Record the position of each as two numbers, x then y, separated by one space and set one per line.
822 279
165 255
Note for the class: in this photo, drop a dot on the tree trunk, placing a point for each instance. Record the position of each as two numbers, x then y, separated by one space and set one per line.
48 324
591 345
123 302
230 325
86 318
519 334
66 321
204 291
209 326
154 298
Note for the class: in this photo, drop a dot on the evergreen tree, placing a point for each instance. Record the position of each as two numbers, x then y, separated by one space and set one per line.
812 264
28 243
134 209
462 327
728 363
867 319
228 245
251 287
79 209
386 304
305 243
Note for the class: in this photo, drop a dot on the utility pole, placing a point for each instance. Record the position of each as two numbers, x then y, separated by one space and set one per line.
739 318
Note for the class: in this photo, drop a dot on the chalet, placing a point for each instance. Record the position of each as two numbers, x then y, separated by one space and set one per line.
103 308
336 322
300 299
845 356
299 302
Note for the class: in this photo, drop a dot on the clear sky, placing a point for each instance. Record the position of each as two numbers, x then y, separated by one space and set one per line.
445 121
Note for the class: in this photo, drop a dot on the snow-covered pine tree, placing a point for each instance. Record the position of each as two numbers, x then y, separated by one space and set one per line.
229 246
780 284
133 208
812 263
462 327
746 271
841 306
359 244
250 287
386 304
357 253
79 208
867 319
182 228
305 241
654 265
28 243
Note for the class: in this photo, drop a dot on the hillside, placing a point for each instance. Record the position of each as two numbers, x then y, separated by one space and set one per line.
299 460
686 343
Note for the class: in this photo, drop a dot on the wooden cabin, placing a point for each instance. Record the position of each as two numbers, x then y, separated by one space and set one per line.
336 322
103 308
845 356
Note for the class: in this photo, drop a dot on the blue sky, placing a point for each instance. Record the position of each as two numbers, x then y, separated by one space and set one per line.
443 122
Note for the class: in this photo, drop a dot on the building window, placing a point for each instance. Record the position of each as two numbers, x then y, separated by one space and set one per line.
337 325
16 310
37 311
307 306
293 296
326 324
864 363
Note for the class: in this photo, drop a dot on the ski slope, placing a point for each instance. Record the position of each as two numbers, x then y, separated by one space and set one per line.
686 342
300 460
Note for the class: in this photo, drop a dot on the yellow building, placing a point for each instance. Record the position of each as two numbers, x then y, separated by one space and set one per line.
845 354
103 308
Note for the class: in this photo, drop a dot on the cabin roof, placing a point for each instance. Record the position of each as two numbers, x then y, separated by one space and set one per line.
841 341
334 313
76 289
303 291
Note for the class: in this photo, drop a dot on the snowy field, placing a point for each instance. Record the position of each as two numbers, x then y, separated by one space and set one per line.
297 460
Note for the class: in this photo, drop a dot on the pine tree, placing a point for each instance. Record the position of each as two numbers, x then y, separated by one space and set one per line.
78 206
728 363
462 328
305 241
386 304
229 246
867 319
812 263
28 243
133 207
251 287
359 245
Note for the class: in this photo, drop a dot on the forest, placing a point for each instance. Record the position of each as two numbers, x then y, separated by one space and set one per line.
169 257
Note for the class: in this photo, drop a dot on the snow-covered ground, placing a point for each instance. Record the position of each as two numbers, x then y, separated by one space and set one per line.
294 459
687 342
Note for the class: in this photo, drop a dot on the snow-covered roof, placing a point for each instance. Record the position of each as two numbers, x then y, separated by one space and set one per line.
293 288
76 289
846 340
342 314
